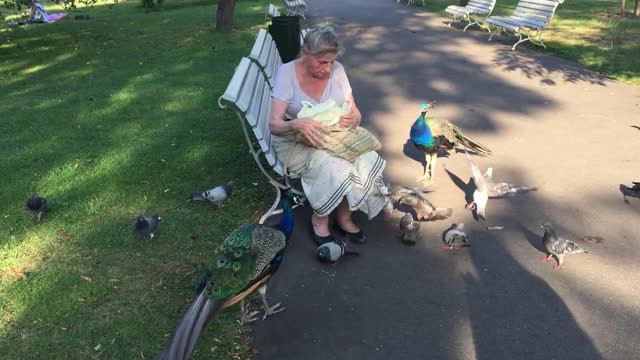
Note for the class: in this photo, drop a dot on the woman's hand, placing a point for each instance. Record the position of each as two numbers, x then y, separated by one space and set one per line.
312 130
349 120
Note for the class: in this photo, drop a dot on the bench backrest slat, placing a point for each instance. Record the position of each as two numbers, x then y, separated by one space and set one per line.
481 4
533 13
529 21
250 93
265 53
552 3
234 88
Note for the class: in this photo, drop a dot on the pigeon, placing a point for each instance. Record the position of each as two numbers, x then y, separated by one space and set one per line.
633 191
331 252
37 206
417 200
146 226
487 189
558 247
216 195
409 229
455 238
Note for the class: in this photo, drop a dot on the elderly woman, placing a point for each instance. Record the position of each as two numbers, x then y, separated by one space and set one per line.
330 183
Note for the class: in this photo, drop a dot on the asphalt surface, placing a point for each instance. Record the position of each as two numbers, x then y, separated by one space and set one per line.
550 123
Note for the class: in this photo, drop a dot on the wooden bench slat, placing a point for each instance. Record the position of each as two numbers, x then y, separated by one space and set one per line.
250 82
479 10
529 21
532 12
262 127
540 2
253 114
232 92
549 9
480 2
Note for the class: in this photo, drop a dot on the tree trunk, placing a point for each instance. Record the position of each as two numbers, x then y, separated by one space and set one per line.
224 15
622 3
636 9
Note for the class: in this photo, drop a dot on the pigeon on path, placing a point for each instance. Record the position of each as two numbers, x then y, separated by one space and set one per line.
558 247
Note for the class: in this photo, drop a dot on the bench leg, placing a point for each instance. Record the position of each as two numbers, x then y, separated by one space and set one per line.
273 207
470 23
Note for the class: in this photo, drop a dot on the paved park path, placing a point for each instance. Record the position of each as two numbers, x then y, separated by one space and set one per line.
550 123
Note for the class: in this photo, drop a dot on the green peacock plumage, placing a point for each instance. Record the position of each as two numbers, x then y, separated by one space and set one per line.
243 255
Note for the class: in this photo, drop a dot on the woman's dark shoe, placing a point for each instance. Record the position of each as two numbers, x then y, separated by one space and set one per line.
358 238
319 240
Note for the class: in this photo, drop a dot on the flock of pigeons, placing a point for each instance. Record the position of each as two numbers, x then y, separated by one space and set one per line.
431 135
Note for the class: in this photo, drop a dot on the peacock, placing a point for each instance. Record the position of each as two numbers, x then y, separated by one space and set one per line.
430 134
245 261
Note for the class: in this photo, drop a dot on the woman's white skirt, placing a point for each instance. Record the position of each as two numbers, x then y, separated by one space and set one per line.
327 179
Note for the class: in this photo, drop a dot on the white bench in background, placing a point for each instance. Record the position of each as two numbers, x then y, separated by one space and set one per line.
474 12
410 2
295 7
529 19
272 11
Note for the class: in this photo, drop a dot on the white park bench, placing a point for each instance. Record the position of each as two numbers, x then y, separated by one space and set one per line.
474 12
529 19
295 7
272 11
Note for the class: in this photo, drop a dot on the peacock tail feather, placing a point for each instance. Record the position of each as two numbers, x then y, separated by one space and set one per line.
450 136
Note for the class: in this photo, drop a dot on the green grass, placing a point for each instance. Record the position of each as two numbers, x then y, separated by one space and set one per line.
108 118
588 32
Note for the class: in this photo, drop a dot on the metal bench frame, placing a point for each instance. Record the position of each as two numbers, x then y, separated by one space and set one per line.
475 13
528 21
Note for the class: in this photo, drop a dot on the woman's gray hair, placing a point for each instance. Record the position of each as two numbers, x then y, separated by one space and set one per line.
322 41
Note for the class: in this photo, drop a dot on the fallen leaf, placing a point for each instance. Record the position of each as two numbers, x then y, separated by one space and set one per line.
145 198
81 299
167 190
87 278
97 347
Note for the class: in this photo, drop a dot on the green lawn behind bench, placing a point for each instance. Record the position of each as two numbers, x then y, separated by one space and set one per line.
588 32
107 118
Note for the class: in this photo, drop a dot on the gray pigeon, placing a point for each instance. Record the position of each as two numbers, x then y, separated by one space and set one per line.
332 251
557 246
416 198
487 189
633 191
216 195
455 238
409 229
146 226
37 206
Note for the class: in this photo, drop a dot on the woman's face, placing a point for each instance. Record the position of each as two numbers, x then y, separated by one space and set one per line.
319 66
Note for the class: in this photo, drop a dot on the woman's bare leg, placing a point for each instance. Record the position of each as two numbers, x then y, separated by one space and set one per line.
343 216
320 225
